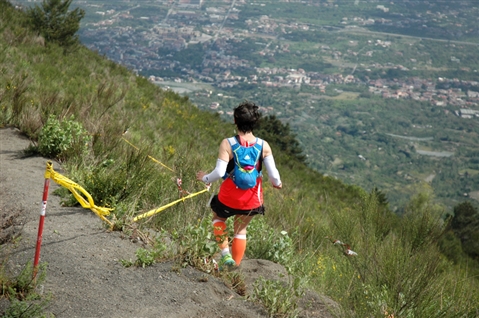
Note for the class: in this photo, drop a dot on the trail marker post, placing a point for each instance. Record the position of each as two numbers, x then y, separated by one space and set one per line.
42 220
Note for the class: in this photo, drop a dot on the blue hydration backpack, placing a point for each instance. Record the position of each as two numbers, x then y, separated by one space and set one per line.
246 159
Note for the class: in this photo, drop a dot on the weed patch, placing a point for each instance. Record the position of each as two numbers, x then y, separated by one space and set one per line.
279 299
21 290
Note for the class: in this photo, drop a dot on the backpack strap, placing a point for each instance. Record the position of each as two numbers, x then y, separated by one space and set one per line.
260 142
231 164
234 146
233 142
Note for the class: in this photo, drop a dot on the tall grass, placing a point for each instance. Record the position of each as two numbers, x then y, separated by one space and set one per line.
398 270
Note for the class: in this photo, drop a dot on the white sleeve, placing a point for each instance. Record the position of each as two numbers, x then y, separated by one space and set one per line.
273 172
217 173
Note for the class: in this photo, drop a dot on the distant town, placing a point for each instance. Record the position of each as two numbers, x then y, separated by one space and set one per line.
189 22
138 38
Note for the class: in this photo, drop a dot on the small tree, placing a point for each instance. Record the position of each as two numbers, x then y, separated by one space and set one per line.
55 23
465 225
280 135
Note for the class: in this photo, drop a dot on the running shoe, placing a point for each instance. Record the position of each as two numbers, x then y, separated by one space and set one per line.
227 261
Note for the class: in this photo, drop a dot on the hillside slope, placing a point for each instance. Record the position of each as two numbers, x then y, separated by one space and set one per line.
84 275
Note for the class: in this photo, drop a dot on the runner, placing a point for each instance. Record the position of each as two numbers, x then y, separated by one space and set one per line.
231 200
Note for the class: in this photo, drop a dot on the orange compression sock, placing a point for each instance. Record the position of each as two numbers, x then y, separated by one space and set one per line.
219 230
238 247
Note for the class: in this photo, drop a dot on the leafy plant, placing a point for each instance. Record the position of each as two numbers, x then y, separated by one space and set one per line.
145 257
195 243
279 299
160 250
21 291
23 285
27 309
126 263
266 242
63 139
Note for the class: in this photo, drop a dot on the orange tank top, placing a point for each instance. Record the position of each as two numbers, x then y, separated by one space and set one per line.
236 198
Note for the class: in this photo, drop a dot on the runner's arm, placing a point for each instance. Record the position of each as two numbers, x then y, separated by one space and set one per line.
217 173
273 172
221 164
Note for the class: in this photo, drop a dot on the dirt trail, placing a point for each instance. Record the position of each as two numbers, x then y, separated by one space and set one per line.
84 275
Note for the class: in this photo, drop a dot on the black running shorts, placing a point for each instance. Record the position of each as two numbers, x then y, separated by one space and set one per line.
224 211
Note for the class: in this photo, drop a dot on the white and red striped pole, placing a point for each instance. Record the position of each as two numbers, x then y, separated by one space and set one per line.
42 220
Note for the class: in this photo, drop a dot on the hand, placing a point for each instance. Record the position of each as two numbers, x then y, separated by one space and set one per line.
280 186
200 175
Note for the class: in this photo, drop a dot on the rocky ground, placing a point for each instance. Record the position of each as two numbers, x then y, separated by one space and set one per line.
84 275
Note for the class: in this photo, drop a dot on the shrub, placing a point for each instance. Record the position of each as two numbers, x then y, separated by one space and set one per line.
279 299
266 242
26 309
22 285
62 139
195 243
20 290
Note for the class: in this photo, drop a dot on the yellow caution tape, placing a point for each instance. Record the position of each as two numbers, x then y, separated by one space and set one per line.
102 211
73 187
148 155
158 210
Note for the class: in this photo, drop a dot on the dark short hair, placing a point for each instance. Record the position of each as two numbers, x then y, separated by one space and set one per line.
246 116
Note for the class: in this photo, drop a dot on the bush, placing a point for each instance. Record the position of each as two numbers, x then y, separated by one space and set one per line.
265 242
196 243
61 140
279 299
21 291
